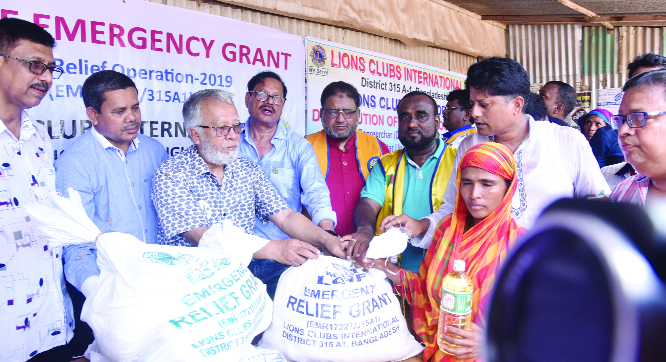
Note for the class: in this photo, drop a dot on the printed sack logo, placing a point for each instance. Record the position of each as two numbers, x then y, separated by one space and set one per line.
318 55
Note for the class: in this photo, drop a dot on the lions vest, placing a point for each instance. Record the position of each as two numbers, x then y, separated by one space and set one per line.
368 151
393 165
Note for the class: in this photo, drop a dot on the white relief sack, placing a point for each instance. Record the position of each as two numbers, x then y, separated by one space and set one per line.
165 303
327 310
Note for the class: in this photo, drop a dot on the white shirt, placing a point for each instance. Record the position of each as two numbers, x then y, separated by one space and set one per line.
553 162
35 309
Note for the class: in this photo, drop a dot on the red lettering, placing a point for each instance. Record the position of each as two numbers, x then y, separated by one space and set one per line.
189 48
448 83
61 24
398 71
94 32
361 64
5 13
142 40
171 40
117 36
232 52
258 57
244 53
345 65
392 70
408 75
286 60
276 59
354 62
315 115
36 19
207 46
154 40
370 68
333 59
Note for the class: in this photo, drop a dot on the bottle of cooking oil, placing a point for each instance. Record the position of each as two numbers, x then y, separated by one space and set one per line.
456 304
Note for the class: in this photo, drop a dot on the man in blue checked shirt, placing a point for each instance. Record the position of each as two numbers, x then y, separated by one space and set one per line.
111 166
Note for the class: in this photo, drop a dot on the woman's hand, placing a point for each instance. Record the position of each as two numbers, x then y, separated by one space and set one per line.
384 265
471 342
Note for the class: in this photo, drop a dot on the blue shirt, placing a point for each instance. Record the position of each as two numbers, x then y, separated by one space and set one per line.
188 196
291 166
111 185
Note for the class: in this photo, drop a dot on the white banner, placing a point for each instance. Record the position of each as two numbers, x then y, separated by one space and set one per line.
380 79
609 99
169 52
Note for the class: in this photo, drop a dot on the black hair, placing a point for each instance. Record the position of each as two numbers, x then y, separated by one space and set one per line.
535 106
648 60
13 30
566 95
655 78
499 77
99 83
462 95
259 78
419 93
340 88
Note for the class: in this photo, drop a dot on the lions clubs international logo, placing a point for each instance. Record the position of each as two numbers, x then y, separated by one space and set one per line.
318 55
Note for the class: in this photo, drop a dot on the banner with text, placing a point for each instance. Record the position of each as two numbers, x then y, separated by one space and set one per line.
169 52
380 79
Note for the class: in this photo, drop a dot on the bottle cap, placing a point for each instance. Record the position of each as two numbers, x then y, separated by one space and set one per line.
459 265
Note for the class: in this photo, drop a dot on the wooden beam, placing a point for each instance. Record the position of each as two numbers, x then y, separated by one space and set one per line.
575 19
570 4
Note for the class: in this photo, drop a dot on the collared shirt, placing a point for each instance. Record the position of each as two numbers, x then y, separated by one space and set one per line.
553 162
615 174
35 309
456 142
112 186
188 196
345 181
633 190
416 196
291 166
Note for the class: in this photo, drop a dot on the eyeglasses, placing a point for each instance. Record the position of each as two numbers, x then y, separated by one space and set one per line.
334 113
448 109
263 97
633 119
223 131
38 67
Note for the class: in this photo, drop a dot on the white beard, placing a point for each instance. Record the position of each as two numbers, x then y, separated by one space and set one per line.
216 157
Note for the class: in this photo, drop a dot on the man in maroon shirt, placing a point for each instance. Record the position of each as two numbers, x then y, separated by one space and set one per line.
345 154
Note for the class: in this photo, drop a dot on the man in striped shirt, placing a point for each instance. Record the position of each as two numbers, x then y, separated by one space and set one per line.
641 125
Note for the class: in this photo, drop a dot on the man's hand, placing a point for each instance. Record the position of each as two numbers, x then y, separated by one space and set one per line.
358 245
413 228
336 246
288 251
326 224
470 342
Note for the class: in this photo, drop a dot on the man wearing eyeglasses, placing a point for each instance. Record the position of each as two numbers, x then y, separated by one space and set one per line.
345 154
287 159
208 183
111 167
457 117
641 127
36 317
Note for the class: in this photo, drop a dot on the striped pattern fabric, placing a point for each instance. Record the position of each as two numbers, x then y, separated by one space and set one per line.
633 190
483 248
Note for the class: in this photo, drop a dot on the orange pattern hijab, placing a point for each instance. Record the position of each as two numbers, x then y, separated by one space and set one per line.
483 247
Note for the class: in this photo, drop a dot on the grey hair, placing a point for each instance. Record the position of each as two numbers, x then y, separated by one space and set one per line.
192 107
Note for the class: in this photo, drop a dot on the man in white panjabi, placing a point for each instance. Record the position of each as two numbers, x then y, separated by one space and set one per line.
553 161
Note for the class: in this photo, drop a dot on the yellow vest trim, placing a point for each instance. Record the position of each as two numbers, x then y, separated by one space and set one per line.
394 164
368 151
